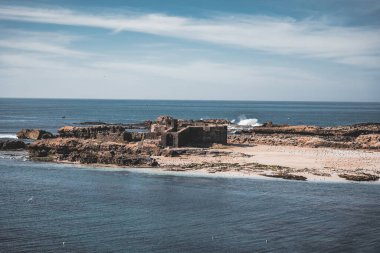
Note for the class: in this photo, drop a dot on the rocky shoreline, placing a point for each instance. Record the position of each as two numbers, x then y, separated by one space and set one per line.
110 144
359 136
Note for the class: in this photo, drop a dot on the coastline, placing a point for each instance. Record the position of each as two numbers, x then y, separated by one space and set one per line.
216 146
204 173
315 164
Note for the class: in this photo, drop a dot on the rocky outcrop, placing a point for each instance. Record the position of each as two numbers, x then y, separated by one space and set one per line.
91 132
346 131
34 134
287 176
114 133
91 151
360 177
370 141
12 145
360 136
143 125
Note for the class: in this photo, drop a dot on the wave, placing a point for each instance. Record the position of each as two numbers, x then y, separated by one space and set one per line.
243 121
8 136
249 122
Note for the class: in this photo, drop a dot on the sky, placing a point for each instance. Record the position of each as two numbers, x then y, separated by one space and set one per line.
273 50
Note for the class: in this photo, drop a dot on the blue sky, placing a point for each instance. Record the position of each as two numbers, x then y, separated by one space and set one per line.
176 49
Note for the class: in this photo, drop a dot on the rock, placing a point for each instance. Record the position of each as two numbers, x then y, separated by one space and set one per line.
143 125
34 134
371 141
93 151
286 176
12 145
360 177
268 124
164 120
88 123
92 132
133 136
360 136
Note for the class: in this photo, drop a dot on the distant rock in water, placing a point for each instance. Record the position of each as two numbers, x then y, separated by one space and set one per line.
34 134
89 123
12 145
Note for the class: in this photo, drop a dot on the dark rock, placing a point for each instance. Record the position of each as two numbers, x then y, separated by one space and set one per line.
360 177
268 124
34 134
92 132
91 123
286 176
12 145
133 136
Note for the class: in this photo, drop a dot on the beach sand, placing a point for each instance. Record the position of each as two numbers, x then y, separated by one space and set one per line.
316 164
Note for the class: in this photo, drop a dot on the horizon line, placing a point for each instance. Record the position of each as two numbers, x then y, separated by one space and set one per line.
172 99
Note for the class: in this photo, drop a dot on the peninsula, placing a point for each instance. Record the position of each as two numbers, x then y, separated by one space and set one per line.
218 147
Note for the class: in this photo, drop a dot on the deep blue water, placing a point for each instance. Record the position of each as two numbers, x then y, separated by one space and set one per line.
47 113
95 210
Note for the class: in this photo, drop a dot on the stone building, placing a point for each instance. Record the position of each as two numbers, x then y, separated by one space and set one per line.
180 134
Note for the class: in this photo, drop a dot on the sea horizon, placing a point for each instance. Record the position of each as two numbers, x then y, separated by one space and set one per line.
217 100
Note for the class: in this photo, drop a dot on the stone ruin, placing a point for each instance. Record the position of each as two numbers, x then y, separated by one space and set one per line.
165 131
176 133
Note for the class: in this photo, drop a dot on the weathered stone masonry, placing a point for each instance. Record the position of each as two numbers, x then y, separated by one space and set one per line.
197 136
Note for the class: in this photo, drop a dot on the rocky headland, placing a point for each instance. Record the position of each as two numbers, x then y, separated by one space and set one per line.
215 146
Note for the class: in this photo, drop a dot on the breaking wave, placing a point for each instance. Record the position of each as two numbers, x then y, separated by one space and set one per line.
243 121
8 136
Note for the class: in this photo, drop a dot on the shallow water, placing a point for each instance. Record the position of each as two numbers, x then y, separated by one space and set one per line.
43 205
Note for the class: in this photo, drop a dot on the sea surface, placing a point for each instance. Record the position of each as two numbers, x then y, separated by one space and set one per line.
50 114
59 208
47 207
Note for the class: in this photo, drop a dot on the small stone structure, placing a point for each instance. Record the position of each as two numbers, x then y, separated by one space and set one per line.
197 135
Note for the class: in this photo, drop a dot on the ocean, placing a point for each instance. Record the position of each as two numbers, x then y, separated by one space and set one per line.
47 207
50 114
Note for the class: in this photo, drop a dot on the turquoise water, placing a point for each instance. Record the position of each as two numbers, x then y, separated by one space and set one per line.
48 207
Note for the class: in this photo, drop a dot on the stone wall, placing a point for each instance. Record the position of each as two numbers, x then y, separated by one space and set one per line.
196 136
208 135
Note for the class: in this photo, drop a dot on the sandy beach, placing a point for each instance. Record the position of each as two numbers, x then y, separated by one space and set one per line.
316 164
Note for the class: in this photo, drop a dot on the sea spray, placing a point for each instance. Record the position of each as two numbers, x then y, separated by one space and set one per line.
244 121
8 136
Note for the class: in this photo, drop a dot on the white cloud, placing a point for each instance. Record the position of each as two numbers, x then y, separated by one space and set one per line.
40 47
305 38
43 42
32 75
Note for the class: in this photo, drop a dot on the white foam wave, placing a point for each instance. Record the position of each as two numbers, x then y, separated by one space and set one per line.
243 121
249 122
8 136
